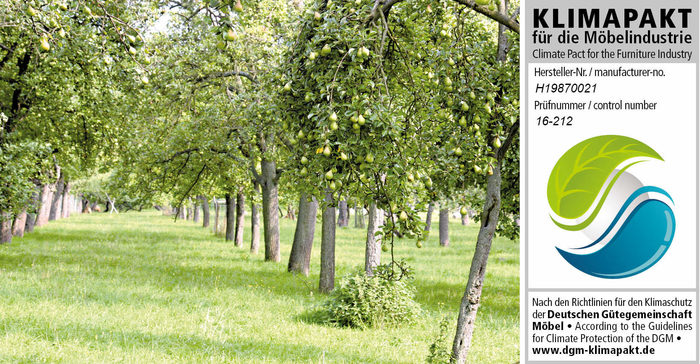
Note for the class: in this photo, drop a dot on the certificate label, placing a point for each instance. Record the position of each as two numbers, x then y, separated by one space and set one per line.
610 181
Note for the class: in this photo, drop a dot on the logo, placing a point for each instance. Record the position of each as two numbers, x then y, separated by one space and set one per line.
618 226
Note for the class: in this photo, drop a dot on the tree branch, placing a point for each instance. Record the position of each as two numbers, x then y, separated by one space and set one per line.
375 14
199 175
256 176
512 132
10 52
214 75
504 19
192 150
495 15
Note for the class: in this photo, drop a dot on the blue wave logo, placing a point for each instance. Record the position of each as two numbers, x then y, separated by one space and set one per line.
627 227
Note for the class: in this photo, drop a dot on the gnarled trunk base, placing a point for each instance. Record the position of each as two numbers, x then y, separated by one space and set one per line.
472 294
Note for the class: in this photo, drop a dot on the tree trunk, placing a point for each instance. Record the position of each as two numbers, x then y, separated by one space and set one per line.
326 281
240 217
73 206
359 217
205 212
230 217
373 246
444 227
66 209
290 213
343 214
5 227
254 222
465 219
33 211
489 221
503 43
55 212
429 217
196 210
42 214
29 224
49 201
300 257
19 224
271 225
217 209
181 212
472 294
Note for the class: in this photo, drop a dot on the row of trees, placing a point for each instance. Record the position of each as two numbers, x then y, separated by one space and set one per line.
59 99
52 201
391 105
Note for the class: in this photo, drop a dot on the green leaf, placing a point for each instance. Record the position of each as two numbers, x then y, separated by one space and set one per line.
580 173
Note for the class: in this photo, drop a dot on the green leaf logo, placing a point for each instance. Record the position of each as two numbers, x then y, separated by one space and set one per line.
581 172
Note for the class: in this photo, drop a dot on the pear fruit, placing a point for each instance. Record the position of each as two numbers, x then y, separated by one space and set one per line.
230 35
326 50
497 142
44 44
238 7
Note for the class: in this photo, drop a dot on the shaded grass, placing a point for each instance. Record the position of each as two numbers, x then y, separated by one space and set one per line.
139 288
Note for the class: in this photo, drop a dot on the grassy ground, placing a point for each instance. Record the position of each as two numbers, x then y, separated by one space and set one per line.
138 288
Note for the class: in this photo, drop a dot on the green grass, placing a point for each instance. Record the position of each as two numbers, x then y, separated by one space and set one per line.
139 288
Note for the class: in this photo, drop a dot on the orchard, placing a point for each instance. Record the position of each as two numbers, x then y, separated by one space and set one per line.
261 121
